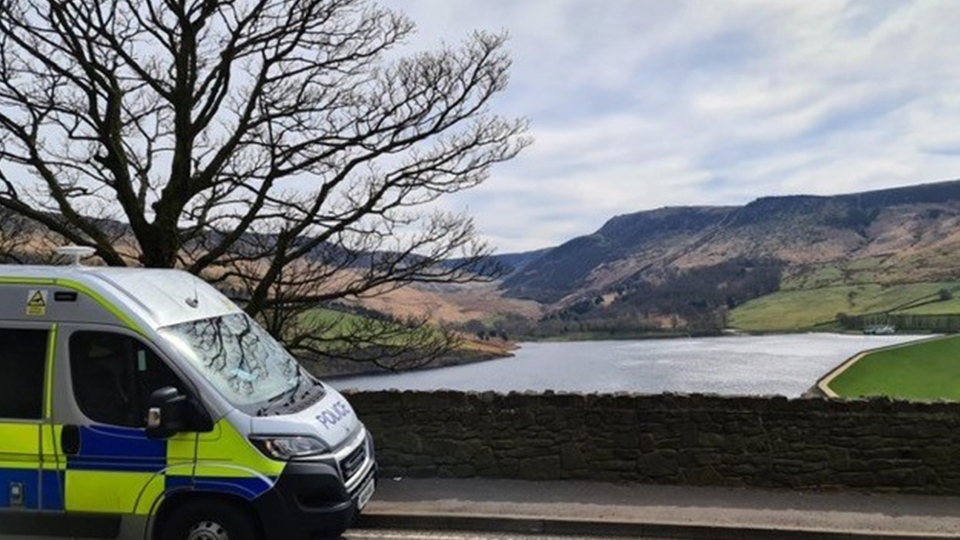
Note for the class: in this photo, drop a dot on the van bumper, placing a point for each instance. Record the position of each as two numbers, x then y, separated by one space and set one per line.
309 502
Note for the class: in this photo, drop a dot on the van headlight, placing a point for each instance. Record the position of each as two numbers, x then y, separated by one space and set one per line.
289 448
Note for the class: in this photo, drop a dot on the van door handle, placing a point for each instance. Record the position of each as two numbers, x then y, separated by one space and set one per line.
70 440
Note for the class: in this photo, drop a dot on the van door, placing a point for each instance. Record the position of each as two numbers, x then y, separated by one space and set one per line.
28 472
112 468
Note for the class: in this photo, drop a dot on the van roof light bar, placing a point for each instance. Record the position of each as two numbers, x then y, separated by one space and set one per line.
76 252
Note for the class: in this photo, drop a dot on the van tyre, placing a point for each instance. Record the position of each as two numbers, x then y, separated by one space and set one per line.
209 520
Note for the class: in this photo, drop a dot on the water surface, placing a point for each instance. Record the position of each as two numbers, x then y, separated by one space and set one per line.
785 365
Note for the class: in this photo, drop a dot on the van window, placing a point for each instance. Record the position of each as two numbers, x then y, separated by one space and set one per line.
113 376
23 356
244 363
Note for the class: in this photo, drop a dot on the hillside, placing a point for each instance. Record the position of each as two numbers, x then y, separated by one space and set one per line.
777 263
450 303
624 246
695 264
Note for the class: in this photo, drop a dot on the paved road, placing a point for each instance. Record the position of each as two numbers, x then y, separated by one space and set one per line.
448 535
430 509
544 504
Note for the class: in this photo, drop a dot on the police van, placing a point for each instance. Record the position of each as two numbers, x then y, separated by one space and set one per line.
144 404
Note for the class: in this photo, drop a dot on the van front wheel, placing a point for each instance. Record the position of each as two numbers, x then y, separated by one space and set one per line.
209 520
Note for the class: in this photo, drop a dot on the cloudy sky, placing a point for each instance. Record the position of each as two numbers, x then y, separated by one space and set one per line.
638 104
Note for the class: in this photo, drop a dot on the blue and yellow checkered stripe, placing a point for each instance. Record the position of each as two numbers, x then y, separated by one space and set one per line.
121 471
21 464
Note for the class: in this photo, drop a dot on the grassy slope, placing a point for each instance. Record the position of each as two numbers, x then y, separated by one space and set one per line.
949 307
925 371
804 308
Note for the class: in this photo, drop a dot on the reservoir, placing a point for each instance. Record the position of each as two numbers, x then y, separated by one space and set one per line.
784 365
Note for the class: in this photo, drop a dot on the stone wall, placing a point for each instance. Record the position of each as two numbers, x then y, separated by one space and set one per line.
670 439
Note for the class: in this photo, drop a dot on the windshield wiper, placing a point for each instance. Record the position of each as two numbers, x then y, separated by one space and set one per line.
292 392
296 393
272 403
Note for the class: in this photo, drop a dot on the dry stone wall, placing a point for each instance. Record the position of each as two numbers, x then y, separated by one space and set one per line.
875 445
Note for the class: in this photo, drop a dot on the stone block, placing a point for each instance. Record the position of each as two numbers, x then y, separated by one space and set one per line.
660 464
646 442
541 468
571 458
711 439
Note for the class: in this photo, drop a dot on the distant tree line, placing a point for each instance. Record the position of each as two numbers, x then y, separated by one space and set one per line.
946 324
696 300
692 302
943 323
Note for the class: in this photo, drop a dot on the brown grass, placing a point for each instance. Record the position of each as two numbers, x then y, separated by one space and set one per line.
454 304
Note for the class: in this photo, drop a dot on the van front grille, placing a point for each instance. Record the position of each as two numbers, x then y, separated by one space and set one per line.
353 462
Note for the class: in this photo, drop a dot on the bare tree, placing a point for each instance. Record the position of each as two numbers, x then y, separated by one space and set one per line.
247 140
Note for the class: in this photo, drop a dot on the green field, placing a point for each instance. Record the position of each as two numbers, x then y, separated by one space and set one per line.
798 309
329 322
922 371
948 307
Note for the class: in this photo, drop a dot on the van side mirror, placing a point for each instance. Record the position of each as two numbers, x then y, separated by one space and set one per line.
169 412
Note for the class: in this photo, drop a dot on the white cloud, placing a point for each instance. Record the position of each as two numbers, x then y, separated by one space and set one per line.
639 104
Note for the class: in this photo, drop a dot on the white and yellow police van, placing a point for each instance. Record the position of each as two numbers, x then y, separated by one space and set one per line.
141 403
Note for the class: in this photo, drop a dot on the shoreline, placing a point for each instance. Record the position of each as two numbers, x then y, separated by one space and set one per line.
785 365
729 332
345 369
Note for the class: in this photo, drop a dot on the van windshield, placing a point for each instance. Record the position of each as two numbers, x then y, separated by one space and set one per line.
244 363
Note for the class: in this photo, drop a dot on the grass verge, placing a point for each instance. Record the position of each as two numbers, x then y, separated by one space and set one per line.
922 371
